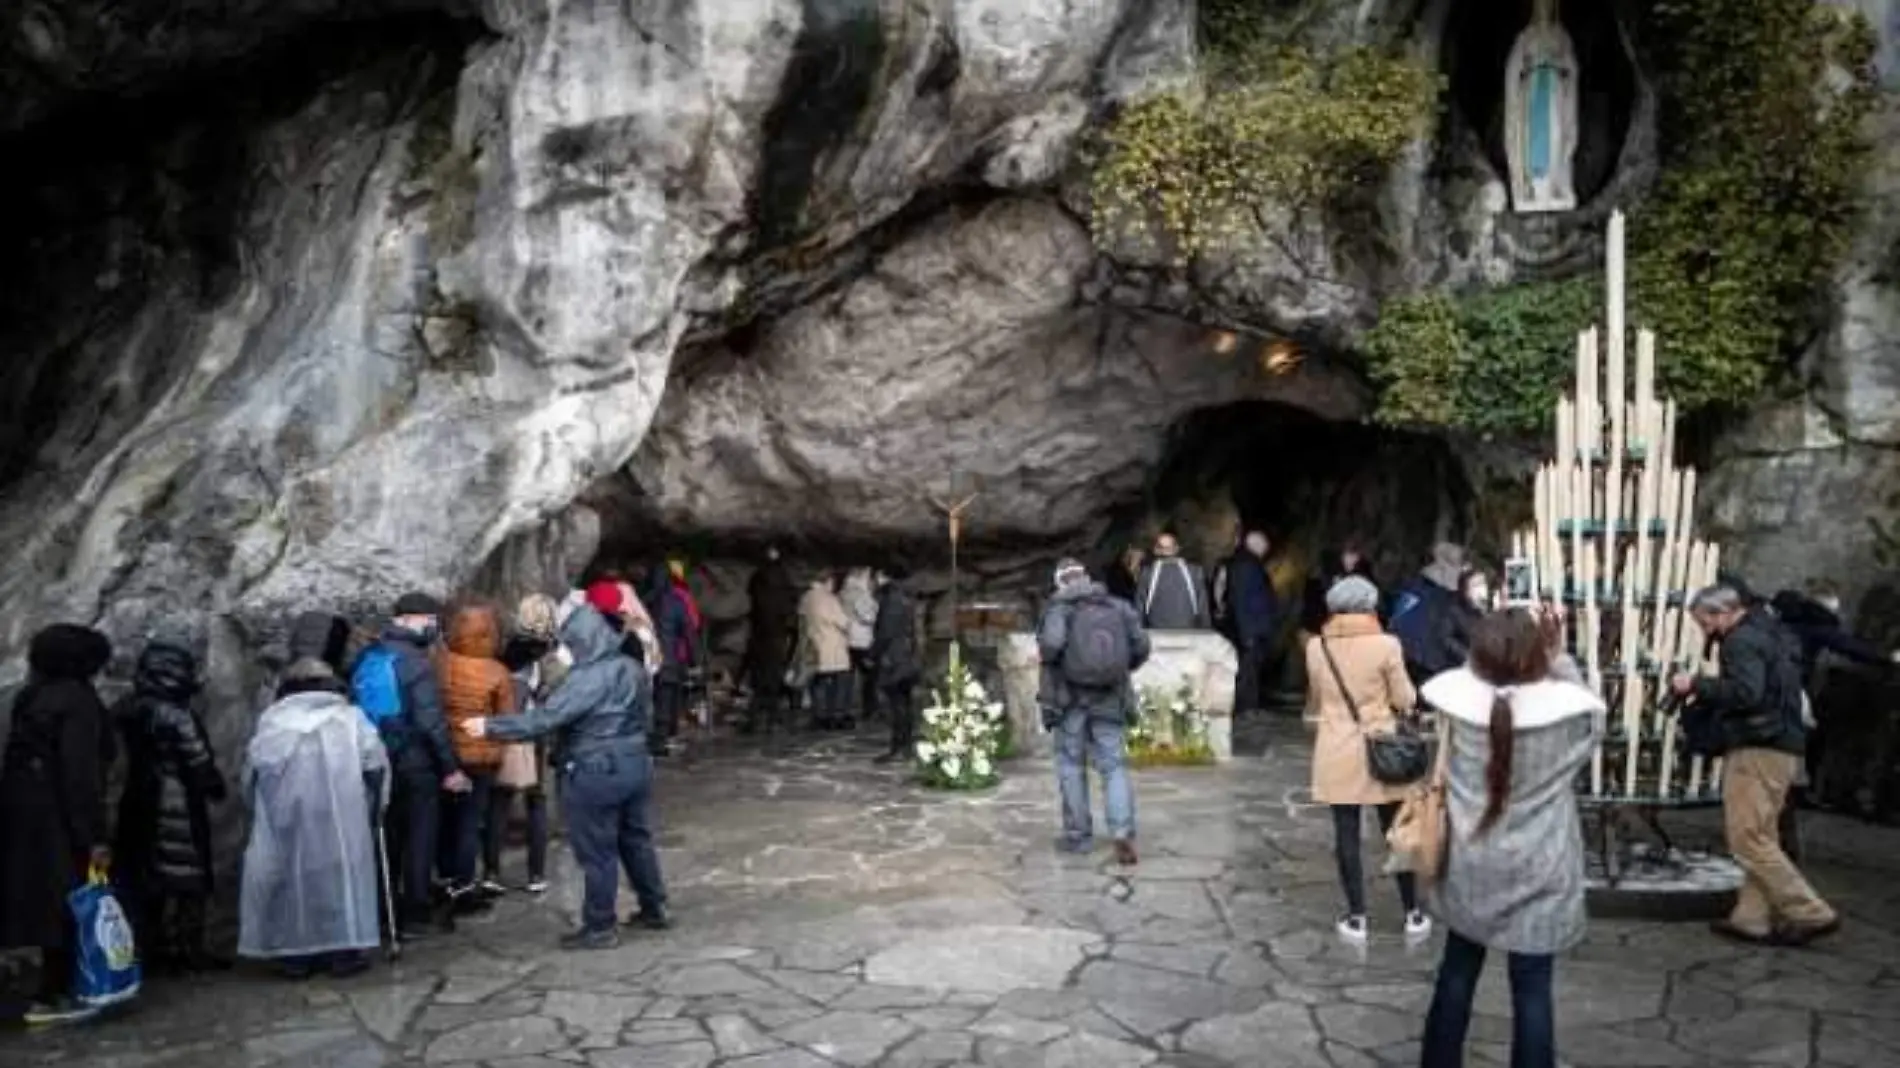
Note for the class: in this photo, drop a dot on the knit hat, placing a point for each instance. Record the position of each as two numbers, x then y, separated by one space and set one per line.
605 597
416 603
1352 595
534 617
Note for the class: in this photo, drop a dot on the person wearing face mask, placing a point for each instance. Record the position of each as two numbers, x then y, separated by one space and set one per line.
1172 593
416 735
1813 616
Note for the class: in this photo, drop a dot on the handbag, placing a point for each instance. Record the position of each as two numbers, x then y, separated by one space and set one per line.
519 768
1396 757
105 955
1420 833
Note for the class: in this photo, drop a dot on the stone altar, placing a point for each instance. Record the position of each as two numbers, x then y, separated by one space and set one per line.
1202 659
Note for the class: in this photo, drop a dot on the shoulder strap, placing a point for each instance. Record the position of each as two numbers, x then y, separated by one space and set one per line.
1339 679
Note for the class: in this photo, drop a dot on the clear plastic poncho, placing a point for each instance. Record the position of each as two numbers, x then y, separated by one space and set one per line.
310 881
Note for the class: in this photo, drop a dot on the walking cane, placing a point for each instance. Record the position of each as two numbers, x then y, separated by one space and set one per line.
389 894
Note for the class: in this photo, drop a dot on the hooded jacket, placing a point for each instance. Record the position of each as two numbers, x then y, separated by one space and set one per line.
894 641
827 628
475 684
421 734
860 606
672 625
1052 637
52 784
604 706
172 779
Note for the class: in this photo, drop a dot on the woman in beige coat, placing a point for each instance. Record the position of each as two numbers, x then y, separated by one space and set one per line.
1370 666
827 629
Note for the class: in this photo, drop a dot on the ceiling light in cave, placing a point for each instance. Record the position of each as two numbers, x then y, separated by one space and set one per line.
1225 342
1280 357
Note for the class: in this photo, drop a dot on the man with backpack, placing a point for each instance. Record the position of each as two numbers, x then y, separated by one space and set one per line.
394 683
1091 645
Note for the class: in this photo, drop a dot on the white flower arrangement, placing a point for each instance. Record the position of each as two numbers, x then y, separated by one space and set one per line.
962 732
1187 742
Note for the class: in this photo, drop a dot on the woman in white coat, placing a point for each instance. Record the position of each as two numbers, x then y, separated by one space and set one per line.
827 632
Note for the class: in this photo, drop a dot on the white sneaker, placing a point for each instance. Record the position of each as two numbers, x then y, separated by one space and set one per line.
1352 929
1417 925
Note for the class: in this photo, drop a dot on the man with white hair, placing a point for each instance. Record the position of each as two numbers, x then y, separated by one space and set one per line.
1091 643
1755 705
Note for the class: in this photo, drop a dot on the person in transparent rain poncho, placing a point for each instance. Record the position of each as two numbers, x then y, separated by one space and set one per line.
316 783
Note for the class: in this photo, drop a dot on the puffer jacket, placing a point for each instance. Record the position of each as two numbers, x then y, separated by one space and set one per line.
603 706
475 684
172 779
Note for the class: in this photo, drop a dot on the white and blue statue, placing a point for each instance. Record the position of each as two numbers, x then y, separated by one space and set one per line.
1540 107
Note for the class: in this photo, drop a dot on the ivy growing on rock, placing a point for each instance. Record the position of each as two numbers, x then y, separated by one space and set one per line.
1762 105
1273 127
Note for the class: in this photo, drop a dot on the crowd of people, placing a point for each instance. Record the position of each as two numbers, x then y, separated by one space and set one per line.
1518 724
380 782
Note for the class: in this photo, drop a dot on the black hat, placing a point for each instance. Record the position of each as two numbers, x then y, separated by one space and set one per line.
417 604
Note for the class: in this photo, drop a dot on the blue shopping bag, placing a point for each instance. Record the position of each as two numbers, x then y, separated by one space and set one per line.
106 955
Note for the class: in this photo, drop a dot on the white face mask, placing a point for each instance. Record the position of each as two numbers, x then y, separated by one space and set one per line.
1257 544
1480 594
1832 604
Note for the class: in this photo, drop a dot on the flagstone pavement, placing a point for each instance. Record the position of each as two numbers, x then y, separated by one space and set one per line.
830 913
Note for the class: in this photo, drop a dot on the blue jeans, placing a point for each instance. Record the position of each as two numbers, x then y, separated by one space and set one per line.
606 797
1076 736
1533 1019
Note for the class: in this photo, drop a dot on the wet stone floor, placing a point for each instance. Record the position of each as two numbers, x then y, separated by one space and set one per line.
830 913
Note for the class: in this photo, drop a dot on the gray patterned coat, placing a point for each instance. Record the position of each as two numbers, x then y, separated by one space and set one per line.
1519 886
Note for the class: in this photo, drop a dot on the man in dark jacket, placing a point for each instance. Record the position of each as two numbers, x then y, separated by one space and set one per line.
895 662
598 719
1090 717
423 758
162 853
773 624
672 625
1814 618
1172 593
1431 616
52 806
1255 613
1756 703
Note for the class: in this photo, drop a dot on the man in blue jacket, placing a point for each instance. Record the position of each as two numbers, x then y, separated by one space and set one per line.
422 756
1255 611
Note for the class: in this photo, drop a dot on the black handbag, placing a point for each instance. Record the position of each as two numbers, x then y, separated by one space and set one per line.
1397 757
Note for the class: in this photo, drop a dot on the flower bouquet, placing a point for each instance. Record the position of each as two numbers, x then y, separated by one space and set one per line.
1186 742
963 731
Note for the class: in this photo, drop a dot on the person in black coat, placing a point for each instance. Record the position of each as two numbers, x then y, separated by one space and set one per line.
163 848
52 804
774 625
897 666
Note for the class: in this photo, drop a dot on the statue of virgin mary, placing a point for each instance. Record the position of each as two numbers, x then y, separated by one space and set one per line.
1540 109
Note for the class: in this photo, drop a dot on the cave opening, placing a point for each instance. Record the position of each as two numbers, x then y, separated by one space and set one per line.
1311 484
1478 41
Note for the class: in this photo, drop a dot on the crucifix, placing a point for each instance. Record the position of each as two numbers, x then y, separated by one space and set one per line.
953 511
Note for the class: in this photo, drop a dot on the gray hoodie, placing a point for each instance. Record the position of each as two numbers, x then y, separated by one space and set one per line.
1055 694
602 707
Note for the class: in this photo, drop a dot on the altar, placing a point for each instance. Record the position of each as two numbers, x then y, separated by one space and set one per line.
1202 661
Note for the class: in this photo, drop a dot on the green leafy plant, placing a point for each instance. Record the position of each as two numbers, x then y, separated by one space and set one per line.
962 732
1762 106
1274 127
1185 744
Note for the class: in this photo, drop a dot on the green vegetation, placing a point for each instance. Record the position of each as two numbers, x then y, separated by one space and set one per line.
1763 151
1277 127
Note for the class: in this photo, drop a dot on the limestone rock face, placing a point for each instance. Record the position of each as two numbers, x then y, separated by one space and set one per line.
963 349
427 285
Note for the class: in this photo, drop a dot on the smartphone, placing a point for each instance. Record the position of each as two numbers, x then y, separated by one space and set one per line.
1520 582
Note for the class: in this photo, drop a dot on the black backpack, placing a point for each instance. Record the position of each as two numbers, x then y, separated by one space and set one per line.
1096 656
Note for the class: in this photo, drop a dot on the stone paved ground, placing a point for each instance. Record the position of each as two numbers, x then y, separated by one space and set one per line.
830 914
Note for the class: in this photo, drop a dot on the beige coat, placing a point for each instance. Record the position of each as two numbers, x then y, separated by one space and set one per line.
1375 675
827 627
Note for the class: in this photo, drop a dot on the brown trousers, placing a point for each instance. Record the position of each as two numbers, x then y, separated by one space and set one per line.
1754 788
